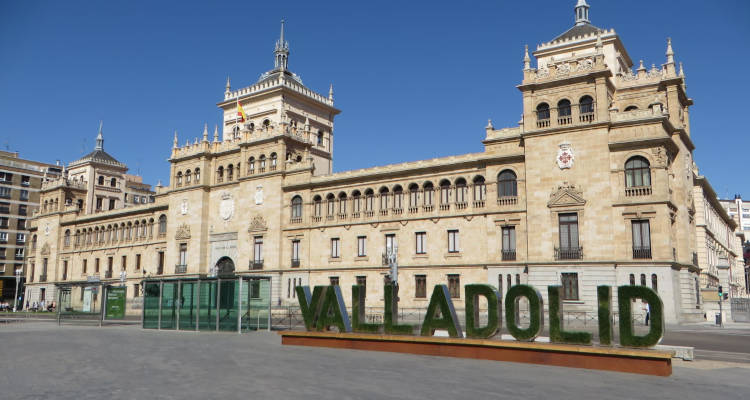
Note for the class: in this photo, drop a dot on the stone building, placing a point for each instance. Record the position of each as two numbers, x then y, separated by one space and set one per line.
20 181
594 186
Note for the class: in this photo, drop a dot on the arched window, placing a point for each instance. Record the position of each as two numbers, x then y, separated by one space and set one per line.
163 225
369 200
542 112
236 132
101 180
563 108
179 178
631 108
429 193
297 207
637 172
66 241
220 174
654 283
656 106
273 161
317 208
331 204
643 279
480 191
288 156
266 124
356 202
398 197
230 172
262 163
413 195
251 165
383 198
188 175
506 184
586 105
198 176
320 138
445 189
632 279
461 190
78 238
113 182
342 203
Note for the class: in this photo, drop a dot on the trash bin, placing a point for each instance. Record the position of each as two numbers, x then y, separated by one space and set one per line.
718 318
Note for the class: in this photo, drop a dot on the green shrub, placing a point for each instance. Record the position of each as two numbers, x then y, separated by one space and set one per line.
494 305
390 318
535 310
358 312
333 312
310 305
604 297
625 294
441 299
556 332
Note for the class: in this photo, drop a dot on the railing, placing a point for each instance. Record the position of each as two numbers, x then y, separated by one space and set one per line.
42 278
342 215
637 191
316 218
272 168
462 205
428 208
587 117
329 217
262 169
296 220
641 252
180 268
445 207
398 211
509 255
413 210
355 215
542 123
568 253
565 120
107 274
256 264
295 263
384 212
478 203
369 213
507 200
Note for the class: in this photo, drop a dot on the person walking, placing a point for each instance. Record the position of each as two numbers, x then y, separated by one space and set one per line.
648 313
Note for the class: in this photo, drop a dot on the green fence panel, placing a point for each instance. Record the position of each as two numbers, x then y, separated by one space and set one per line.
188 305
168 305
259 304
151 305
228 306
207 304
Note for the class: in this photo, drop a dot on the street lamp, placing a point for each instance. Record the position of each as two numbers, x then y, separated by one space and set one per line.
18 280
123 277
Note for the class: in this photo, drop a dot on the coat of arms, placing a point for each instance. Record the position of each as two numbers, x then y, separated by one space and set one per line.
226 208
565 156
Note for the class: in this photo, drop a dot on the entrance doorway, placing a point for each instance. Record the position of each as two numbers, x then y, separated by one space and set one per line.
225 266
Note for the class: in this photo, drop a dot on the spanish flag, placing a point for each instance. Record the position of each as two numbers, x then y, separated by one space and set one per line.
241 113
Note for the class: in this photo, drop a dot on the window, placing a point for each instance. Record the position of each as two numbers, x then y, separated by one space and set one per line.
637 172
22 209
84 266
113 182
183 254
100 181
98 203
19 253
220 174
5 192
429 192
632 279
255 289
20 237
96 265
3 237
641 239
390 242
137 262
25 180
136 290
295 253
342 203
320 138
570 285
361 246
65 270
509 243
4 208
506 184
362 281
453 241
188 176
160 265
654 283
251 165
66 239
317 207
112 204
480 190
643 279
334 280
542 112
563 111
421 242
420 286
197 175
21 224
454 285
6 177
297 207
413 195
518 279
586 105
258 249
445 189
500 285
384 198
569 249
4 222
230 172
162 225
356 202
335 248
461 190
631 108
398 197
331 204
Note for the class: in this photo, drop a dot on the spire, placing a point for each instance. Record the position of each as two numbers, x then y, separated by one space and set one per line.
682 71
582 13
526 59
99 138
330 92
670 52
281 52
599 46
228 87
174 144
205 132
216 133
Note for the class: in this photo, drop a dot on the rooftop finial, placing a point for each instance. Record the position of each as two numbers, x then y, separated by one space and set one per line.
216 133
228 87
330 92
582 13
526 58
670 52
174 144
205 132
281 52
100 138
682 71
599 46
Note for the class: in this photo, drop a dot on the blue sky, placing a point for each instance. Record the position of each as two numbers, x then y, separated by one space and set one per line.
413 79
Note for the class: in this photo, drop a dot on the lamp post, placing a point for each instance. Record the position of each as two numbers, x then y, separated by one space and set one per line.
18 280
123 277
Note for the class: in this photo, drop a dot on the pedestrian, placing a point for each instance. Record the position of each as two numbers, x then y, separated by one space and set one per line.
648 313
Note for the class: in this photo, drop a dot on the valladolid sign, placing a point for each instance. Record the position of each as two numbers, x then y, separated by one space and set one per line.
324 309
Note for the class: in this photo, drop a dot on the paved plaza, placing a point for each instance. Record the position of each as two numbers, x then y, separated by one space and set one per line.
44 361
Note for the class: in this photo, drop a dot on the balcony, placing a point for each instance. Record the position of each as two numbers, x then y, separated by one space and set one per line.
64 276
295 263
642 252
342 215
384 212
413 210
256 264
108 274
316 218
565 120
586 117
398 211
509 255
369 214
296 220
461 205
634 191
542 123
478 203
568 253
180 268
356 214
428 208
507 200
445 207
42 278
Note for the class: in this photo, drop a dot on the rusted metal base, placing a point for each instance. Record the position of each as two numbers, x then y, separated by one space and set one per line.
635 361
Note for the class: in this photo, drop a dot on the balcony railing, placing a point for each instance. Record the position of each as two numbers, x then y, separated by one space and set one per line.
509 255
637 191
42 278
428 208
413 210
507 200
542 123
641 252
180 268
568 253
295 263
565 120
586 117
316 218
296 220
445 207
107 274
462 205
478 203
256 264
